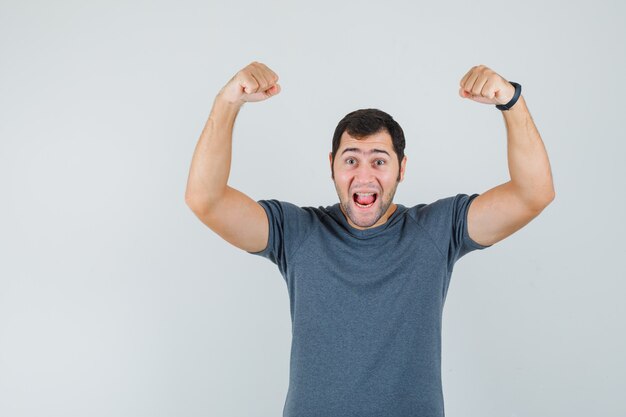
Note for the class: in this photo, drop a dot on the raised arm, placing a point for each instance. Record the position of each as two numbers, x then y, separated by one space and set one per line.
228 212
506 208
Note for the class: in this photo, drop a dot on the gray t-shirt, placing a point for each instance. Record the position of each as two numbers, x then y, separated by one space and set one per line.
366 305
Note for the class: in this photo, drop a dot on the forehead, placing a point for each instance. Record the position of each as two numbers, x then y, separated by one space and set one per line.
379 140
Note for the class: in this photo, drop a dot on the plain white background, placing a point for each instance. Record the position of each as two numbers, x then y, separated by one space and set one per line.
115 300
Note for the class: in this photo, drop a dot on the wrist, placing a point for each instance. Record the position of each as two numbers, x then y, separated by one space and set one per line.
223 100
225 107
517 92
517 115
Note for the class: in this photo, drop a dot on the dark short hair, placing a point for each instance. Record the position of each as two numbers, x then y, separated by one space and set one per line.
364 122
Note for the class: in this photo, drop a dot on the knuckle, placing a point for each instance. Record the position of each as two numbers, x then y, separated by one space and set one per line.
251 84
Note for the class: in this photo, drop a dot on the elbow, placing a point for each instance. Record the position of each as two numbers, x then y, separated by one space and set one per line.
545 200
196 205
200 203
551 195
189 200
538 200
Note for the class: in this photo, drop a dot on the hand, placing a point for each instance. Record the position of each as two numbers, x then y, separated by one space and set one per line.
255 82
483 85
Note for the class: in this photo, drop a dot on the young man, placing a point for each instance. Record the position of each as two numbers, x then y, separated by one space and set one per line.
367 278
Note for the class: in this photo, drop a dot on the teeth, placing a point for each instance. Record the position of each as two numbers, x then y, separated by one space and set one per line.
365 193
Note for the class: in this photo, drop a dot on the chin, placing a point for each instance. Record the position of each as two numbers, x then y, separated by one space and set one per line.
368 218
364 217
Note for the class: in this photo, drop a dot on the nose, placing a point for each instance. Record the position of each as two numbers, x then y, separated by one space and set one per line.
365 175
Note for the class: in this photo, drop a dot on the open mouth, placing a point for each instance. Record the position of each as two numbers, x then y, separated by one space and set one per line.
364 200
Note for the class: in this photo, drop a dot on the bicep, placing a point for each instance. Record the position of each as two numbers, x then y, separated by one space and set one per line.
238 219
498 213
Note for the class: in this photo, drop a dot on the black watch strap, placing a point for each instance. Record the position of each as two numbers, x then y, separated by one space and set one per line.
518 92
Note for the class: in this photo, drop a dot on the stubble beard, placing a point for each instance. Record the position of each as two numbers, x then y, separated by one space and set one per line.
347 207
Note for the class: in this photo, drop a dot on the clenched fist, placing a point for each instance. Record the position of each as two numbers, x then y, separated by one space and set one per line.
255 82
484 85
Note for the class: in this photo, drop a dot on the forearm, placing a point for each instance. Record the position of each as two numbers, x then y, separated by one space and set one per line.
529 166
210 166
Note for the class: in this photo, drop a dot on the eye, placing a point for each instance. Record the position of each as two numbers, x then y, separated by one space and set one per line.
380 162
348 161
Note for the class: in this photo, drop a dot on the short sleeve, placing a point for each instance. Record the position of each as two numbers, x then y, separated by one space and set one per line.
461 242
288 227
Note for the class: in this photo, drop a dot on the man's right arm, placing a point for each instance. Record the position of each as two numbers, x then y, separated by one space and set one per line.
230 213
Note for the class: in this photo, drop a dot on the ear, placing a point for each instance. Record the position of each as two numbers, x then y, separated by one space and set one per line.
402 168
330 160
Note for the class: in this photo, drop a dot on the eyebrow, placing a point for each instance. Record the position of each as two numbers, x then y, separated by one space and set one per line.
357 150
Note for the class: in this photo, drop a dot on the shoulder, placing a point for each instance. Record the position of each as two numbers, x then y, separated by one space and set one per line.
440 208
290 213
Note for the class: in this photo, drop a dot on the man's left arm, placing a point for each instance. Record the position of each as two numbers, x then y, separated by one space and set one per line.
506 208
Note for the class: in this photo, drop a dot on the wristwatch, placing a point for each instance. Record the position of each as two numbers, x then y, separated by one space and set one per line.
518 92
